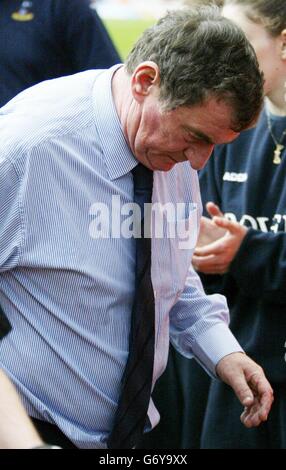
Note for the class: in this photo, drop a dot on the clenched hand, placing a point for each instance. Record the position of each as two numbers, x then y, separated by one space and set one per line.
250 385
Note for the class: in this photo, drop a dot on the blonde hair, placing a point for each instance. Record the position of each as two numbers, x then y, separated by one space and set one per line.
271 14
191 3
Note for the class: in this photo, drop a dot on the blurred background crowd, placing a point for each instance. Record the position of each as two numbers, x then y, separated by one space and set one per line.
127 19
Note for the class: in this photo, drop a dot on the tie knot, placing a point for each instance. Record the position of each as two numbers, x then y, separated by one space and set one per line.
143 178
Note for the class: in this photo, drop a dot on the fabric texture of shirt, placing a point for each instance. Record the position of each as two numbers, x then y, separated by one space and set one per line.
44 39
68 295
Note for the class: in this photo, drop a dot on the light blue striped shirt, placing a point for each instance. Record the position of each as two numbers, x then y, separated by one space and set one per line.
67 295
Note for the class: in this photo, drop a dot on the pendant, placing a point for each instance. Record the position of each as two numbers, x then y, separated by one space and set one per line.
277 154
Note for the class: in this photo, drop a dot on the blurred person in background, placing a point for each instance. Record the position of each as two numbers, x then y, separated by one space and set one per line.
44 39
191 3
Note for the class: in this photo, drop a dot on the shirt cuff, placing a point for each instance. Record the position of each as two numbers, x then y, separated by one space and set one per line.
212 345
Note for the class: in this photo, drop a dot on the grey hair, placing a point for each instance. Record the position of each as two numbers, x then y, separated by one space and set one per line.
200 55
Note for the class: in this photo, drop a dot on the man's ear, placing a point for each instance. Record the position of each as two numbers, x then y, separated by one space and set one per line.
283 44
145 76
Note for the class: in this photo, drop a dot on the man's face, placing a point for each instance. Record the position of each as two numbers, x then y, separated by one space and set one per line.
163 138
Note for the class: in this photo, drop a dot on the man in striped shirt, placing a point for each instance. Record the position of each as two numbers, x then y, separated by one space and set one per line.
67 254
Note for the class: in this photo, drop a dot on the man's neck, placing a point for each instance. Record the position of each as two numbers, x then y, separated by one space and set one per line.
126 106
120 92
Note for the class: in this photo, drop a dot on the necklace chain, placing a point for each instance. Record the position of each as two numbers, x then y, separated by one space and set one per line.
278 143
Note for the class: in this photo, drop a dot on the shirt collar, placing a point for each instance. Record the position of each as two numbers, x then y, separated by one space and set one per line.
118 157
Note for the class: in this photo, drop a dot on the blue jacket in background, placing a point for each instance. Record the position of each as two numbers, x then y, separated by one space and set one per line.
243 180
44 39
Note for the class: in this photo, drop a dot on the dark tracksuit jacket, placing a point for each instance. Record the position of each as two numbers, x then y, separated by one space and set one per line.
249 188
242 179
44 39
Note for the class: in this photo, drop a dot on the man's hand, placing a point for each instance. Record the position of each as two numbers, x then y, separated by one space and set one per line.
250 385
218 243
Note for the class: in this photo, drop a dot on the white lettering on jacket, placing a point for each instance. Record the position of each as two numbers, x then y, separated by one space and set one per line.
235 177
265 224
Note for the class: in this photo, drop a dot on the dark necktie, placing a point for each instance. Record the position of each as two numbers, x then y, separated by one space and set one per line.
133 404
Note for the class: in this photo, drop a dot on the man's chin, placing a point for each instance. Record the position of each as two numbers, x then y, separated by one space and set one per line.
169 166
156 164
164 166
